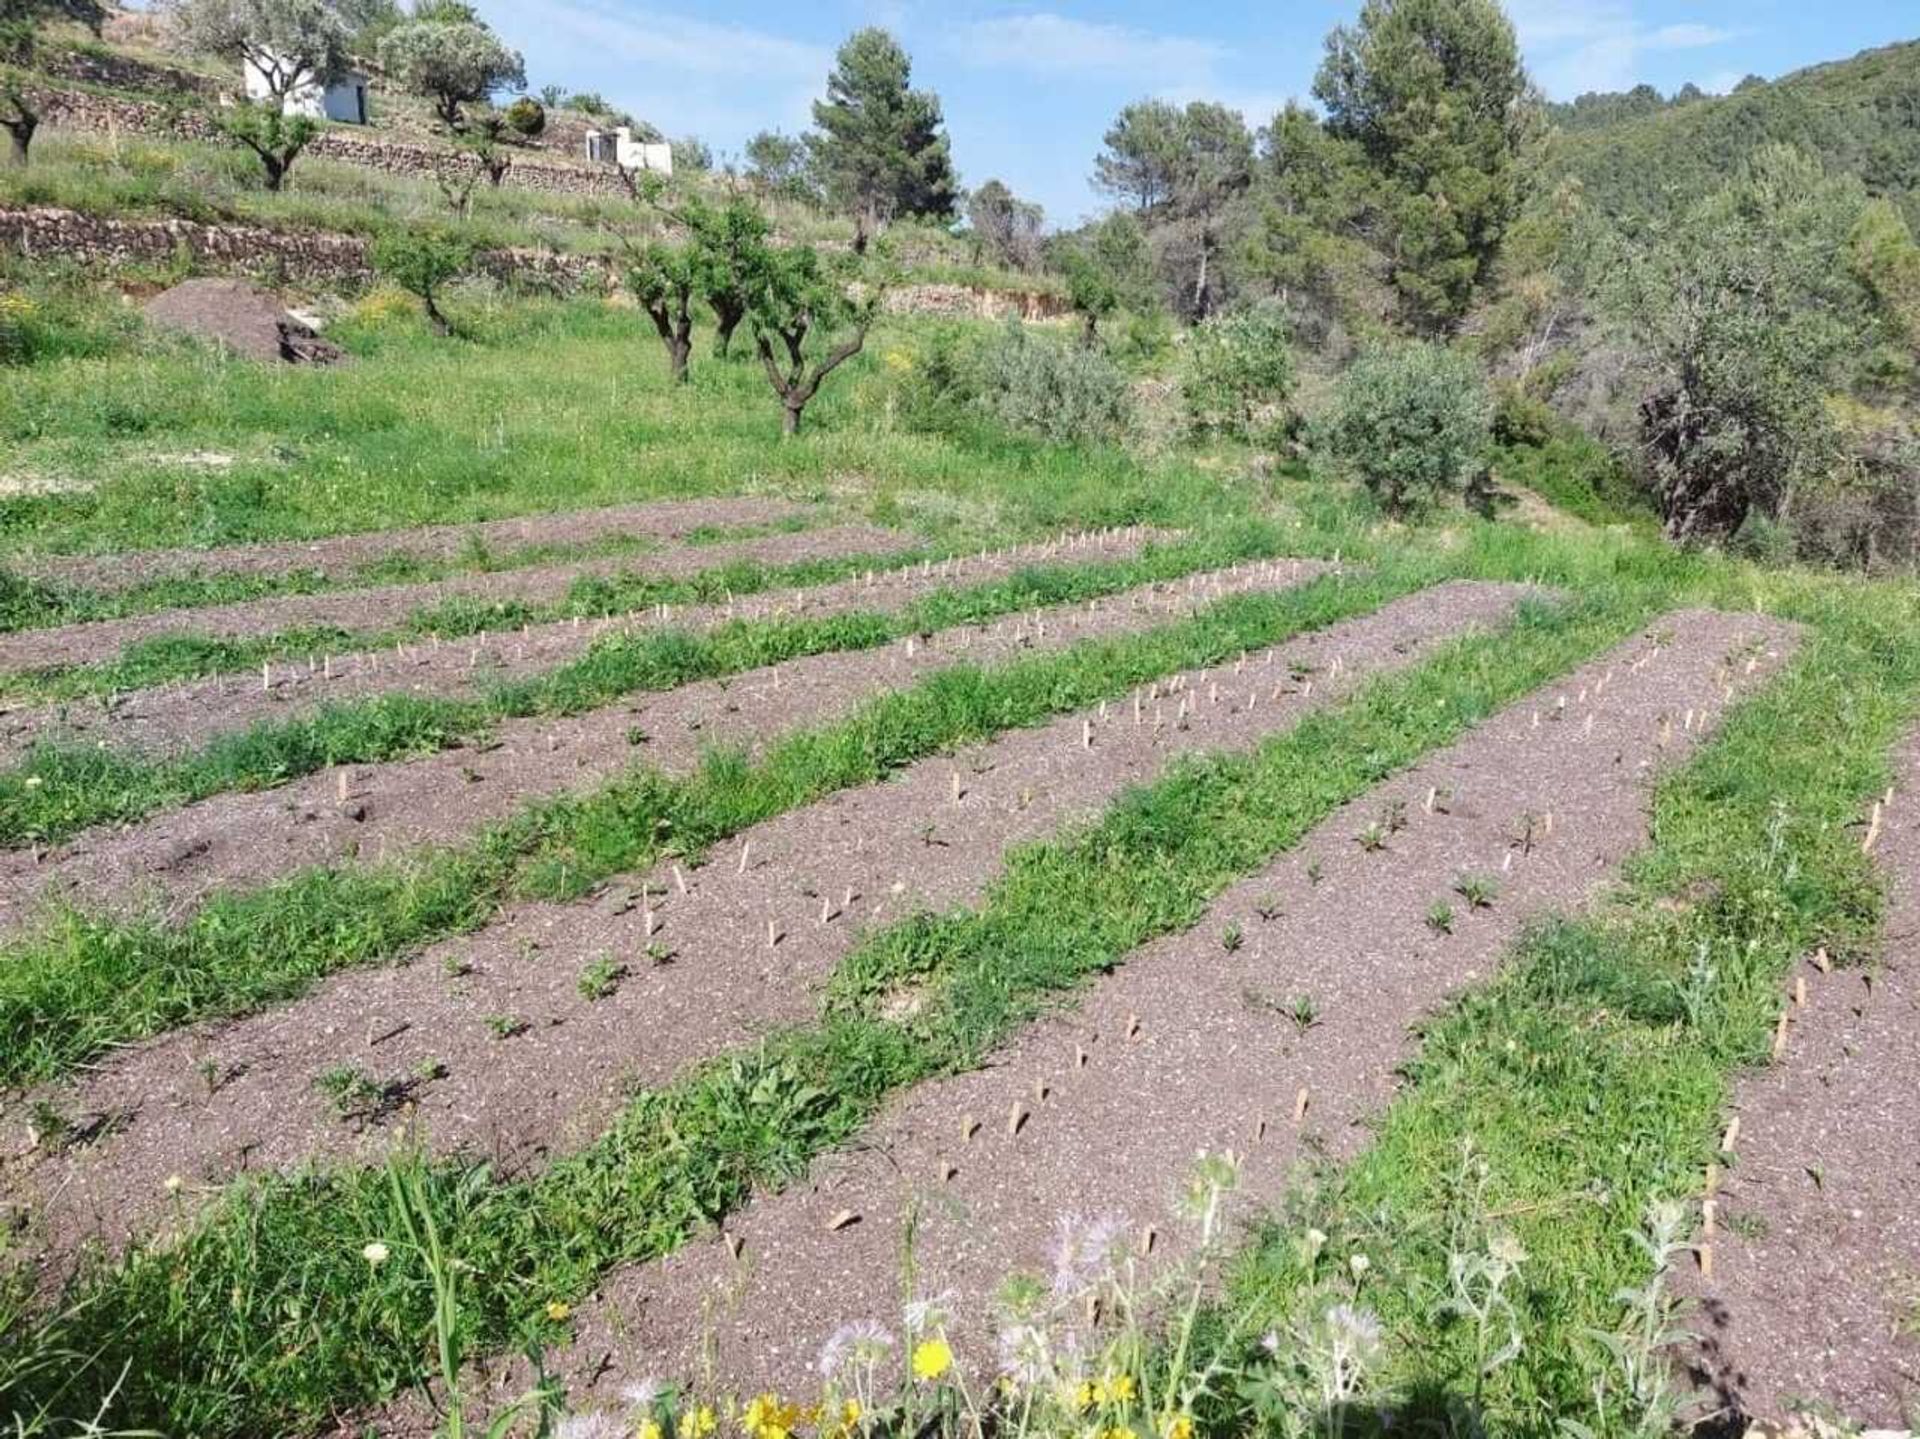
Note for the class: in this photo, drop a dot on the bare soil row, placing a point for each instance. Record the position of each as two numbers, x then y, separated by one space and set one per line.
338 557
1191 1045
379 609
696 962
1813 1299
171 718
172 861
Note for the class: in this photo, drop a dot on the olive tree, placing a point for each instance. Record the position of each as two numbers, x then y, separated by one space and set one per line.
1412 422
453 62
288 43
1739 312
661 277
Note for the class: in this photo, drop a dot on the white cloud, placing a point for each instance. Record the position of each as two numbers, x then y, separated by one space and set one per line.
1049 44
1573 46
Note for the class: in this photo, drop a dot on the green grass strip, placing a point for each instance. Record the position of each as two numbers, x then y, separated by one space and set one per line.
85 983
264 1317
59 789
1590 1080
169 658
38 604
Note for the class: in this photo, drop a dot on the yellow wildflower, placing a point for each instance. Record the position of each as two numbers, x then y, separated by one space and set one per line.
699 1424
1116 1389
769 1418
1085 1395
1119 1431
1180 1427
557 1311
932 1359
649 1429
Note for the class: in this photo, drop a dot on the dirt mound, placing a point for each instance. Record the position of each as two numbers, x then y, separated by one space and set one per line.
242 317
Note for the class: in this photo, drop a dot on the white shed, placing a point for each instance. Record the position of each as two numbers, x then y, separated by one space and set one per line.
345 100
618 147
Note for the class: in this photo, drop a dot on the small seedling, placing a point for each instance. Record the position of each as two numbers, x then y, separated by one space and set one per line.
658 954
1314 871
1477 890
1269 909
506 1026
429 1070
1231 938
1393 816
1440 917
210 1076
1302 1011
600 978
1372 839
636 736
348 1089
456 967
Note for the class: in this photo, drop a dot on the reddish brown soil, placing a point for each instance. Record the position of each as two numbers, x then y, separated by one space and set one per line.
819 877
1814 1301
340 556
177 717
380 608
1184 1048
167 864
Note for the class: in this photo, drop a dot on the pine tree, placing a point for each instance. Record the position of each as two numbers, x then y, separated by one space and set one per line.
882 148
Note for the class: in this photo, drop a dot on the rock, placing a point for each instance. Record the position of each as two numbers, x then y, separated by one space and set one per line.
244 318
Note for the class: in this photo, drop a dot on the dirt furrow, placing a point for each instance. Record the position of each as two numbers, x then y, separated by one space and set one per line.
1813 1300
534 1029
174 717
338 557
1193 1045
172 861
379 608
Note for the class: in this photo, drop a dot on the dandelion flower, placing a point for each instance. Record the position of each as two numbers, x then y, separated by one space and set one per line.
860 1342
931 1359
1119 1388
558 1310
375 1254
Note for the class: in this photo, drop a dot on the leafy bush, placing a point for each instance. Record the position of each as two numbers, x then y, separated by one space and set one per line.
1412 422
527 117
1064 394
1239 371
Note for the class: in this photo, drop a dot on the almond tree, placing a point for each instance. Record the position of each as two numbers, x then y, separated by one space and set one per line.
662 279
288 43
799 303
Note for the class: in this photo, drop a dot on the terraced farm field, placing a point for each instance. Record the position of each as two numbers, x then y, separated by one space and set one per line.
1156 949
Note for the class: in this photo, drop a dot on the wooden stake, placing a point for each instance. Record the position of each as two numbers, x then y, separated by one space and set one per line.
1873 829
1732 1135
1705 1255
1133 1026
1821 962
680 879
773 934
1780 1035
1016 1118
746 848
1800 991
1300 1105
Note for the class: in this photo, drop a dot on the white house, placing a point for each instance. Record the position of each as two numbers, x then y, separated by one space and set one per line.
620 148
344 100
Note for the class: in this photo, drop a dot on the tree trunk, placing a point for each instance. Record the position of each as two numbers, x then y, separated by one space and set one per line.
679 351
276 169
729 321
434 318
20 139
1090 336
790 423
1200 296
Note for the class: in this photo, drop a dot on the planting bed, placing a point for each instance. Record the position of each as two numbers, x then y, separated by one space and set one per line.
378 609
650 977
1196 1043
170 718
1813 1300
238 839
339 558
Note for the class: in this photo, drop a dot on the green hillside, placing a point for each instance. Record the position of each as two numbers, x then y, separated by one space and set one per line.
1860 115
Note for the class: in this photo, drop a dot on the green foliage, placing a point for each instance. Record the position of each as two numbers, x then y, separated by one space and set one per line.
527 117
1109 268
452 62
1412 422
1738 313
1064 394
423 261
287 43
1434 94
275 138
1005 226
882 150
780 165
819 312
1239 371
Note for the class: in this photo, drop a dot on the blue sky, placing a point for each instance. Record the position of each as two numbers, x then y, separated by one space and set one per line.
1029 89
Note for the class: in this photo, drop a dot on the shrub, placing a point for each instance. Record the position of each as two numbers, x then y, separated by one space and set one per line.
1060 393
527 117
423 262
1412 422
1239 371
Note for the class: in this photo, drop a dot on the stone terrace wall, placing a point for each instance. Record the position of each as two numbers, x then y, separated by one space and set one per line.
307 257
123 72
